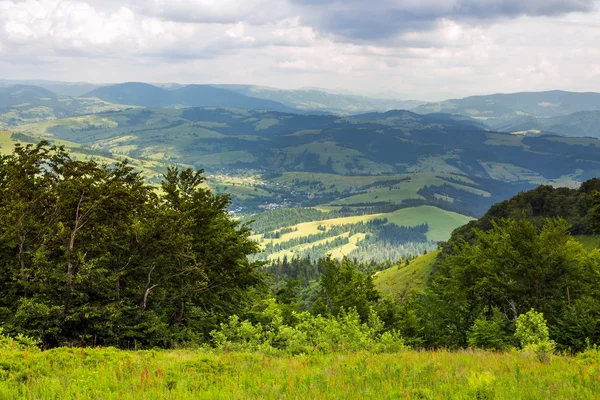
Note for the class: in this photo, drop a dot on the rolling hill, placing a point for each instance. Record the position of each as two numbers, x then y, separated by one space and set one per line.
543 104
578 124
146 95
25 94
311 100
531 113
375 186
26 104
371 144
403 278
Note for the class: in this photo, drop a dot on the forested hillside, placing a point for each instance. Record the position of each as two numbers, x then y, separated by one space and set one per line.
92 255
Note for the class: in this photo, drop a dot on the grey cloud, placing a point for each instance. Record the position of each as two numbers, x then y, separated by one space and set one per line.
374 20
207 11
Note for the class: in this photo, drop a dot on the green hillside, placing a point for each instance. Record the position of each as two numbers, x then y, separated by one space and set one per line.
436 170
403 278
151 170
589 242
424 174
318 237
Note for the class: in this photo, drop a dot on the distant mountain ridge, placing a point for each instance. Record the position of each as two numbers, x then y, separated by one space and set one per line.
529 113
553 112
19 94
147 95
309 99
543 104
578 124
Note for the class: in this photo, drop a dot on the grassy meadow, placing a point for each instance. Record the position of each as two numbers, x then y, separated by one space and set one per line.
96 373
441 224
398 279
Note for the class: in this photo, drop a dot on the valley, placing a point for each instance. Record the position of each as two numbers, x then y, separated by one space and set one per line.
272 152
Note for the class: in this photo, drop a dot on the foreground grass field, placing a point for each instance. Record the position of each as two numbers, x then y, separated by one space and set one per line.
186 374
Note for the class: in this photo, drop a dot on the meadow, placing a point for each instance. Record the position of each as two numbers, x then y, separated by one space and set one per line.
401 278
108 373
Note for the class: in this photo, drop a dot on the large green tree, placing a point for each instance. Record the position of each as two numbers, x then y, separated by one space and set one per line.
90 254
514 267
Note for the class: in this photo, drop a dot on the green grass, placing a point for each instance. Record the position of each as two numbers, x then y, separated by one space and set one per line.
403 278
7 145
589 242
441 223
151 170
108 373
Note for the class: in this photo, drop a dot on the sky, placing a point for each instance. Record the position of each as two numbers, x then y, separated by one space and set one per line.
409 49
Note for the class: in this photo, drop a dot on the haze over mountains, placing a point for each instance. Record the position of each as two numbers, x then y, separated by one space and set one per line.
553 112
430 168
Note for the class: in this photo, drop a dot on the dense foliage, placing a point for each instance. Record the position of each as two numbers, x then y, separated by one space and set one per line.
91 255
576 206
483 287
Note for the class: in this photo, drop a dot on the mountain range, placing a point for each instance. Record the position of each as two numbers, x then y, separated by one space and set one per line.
311 158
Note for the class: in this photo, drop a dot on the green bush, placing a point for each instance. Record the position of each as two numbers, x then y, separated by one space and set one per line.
490 332
532 332
310 334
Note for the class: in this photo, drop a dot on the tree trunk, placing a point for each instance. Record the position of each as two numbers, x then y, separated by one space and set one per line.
147 290
178 317
70 264
22 255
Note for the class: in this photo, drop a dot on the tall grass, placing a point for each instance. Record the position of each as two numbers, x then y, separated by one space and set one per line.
96 373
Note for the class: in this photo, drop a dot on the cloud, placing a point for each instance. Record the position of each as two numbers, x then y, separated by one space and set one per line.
212 11
428 49
368 21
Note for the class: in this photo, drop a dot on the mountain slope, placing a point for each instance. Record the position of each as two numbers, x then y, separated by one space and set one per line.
393 142
579 124
22 94
146 95
26 104
309 100
543 104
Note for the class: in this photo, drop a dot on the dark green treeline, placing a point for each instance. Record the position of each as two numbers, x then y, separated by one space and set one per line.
89 254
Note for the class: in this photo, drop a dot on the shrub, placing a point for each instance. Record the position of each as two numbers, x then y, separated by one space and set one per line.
532 332
482 385
489 332
310 334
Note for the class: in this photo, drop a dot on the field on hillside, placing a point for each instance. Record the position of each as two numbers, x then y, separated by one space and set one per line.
440 224
150 169
402 278
96 373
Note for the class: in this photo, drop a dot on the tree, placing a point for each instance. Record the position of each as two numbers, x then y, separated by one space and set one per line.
490 331
90 254
533 335
514 267
342 287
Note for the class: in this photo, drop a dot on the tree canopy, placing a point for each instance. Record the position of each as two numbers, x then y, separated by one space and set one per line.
89 254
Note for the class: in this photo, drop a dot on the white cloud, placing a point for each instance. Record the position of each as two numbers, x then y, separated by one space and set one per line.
278 43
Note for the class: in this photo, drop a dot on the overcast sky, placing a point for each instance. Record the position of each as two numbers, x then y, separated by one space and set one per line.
418 49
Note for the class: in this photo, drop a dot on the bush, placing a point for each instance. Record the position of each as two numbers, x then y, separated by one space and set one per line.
489 332
310 334
532 332
19 342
